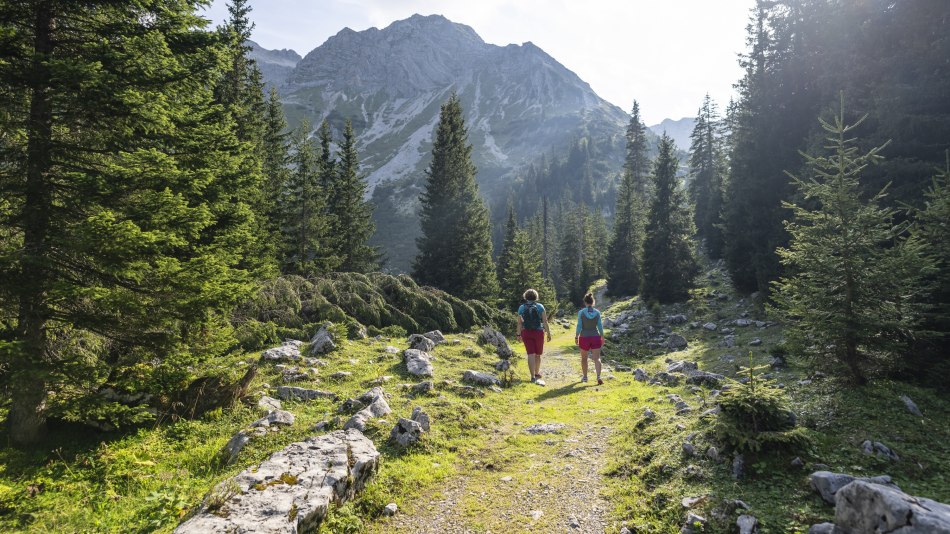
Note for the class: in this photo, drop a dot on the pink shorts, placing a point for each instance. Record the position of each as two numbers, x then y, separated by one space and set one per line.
590 342
533 341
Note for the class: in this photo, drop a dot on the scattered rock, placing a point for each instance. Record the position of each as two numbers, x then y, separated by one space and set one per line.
490 336
469 391
572 522
293 374
883 450
713 454
480 379
738 466
390 509
676 342
421 342
797 462
421 417
704 378
827 483
545 428
728 341
502 365
376 406
292 490
755 342
689 449
911 406
391 350
406 432
710 326
536 514
276 417
340 375
295 393
322 341
681 366
665 379
288 352
778 362
868 507
495 389
640 375
418 362
743 322
825 528
269 403
649 414
677 319
471 352
234 446
694 523
747 524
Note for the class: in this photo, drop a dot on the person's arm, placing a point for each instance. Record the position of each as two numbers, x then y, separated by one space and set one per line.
577 331
600 326
544 318
520 324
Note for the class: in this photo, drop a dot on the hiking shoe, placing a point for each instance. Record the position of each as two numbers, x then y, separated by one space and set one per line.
539 382
584 378
537 375
600 382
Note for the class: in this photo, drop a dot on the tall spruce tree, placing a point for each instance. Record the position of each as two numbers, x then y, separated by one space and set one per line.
934 220
240 92
122 228
455 250
507 245
625 251
851 299
669 261
303 221
706 167
274 156
351 213
523 271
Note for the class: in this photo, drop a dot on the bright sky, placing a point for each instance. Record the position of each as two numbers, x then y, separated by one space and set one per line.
667 54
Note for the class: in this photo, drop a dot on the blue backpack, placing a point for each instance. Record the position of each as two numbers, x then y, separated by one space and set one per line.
531 320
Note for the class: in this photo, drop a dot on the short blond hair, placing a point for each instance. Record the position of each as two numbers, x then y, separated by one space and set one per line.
530 295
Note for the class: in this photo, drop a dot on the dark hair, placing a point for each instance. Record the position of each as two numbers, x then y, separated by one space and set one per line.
530 295
589 299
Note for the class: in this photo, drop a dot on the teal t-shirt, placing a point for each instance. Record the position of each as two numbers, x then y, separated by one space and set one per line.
540 307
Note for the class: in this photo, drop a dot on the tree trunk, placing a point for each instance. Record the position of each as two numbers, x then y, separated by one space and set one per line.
27 417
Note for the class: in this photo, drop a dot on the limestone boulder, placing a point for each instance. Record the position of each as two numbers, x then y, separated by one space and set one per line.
418 362
291 491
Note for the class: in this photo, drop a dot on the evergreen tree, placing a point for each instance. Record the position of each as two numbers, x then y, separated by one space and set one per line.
274 158
507 246
122 227
240 91
326 163
303 221
851 297
706 171
669 263
625 251
455 250
523 271
934 220
351 214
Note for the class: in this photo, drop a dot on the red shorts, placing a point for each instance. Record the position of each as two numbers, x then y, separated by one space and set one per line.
533 341
590 342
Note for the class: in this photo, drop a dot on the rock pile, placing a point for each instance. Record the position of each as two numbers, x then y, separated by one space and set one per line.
418 362
376 406
494 338
409 431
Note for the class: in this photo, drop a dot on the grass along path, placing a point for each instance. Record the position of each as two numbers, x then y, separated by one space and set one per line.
511 480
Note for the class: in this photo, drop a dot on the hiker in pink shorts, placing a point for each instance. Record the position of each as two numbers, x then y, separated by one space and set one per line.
589 336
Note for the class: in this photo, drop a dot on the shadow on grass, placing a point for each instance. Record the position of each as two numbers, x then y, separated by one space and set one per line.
559 392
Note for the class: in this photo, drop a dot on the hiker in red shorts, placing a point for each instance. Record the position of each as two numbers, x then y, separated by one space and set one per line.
532 325
589 336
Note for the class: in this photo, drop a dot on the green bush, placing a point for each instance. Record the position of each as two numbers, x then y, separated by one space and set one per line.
755 417
255 335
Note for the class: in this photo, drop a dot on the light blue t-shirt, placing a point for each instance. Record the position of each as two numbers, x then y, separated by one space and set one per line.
540 307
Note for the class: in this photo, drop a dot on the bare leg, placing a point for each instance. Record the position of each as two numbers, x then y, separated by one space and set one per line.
584 362
531 365
595 355
537 364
